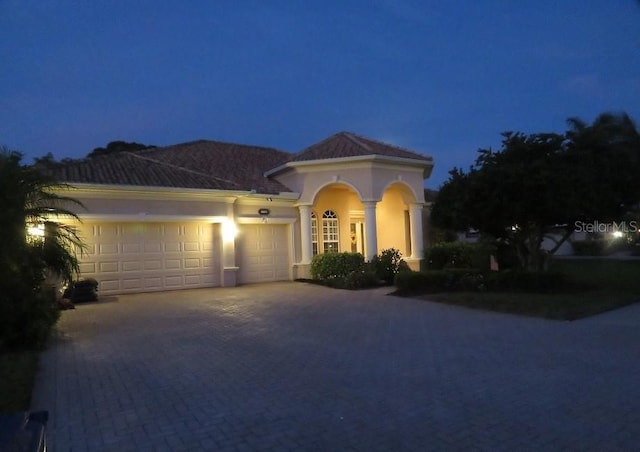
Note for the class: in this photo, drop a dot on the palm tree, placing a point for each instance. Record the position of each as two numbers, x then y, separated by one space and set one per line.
31 199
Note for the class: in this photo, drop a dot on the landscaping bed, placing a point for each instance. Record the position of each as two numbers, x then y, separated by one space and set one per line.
574 289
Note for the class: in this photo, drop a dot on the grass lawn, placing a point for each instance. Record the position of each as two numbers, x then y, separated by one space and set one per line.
613 284
17 374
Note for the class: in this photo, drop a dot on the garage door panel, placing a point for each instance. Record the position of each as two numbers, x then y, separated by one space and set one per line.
266 260
108 267
87 267
109 285
192 263
263 253
153 264
171 247
106 230
107 248
193 280
153 247
153 283
172 264
131 248
131 266
132 283
191 246
174 281
131 257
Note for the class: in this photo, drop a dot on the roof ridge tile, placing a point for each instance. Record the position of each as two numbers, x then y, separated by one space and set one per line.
353 137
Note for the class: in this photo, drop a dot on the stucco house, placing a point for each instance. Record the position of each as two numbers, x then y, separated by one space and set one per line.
207 213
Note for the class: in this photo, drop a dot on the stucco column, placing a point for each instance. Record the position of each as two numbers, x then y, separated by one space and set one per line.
370 230
229 229
415 226
305 234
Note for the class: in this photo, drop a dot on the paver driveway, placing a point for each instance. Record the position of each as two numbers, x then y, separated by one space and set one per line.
292 366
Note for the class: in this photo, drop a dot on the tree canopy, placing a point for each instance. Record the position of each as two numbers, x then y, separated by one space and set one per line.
118 146
48 160
541 183
30 199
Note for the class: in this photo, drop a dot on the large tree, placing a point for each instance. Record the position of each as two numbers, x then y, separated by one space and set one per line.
537 185
115 147
30 199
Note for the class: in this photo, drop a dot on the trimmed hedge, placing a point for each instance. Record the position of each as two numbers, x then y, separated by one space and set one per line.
473 280
336 265
429 281
459 255
432 281
356 280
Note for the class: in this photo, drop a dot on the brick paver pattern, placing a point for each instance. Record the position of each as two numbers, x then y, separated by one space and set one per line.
294 366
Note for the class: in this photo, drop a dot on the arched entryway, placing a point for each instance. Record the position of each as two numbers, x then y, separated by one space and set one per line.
339 220
398 214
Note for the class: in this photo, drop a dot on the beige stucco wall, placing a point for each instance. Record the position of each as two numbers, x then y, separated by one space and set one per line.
392 222
215 206
150 207
277 209
368 179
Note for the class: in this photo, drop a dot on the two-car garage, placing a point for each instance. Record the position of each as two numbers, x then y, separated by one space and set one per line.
130 257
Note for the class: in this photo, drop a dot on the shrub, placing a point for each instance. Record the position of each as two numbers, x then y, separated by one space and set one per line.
335 265
506 256
27 311
388 264
84 290
358 280
465 279
473 280
429 281
459 255
27 316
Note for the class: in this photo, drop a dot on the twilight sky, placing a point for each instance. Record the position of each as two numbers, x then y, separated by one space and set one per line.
439 77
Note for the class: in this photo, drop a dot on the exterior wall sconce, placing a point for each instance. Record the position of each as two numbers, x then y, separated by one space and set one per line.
36 231
264 213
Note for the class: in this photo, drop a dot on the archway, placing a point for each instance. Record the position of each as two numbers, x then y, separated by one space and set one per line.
337 223
394 218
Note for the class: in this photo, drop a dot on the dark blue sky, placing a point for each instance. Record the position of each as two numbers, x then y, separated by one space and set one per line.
439 77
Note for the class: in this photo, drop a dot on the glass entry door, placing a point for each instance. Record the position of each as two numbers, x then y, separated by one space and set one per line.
356 232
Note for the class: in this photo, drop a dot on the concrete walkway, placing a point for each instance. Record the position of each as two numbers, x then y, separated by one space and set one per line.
292 366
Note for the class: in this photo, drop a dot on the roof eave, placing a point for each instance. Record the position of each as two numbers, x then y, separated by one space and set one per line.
152 189
426 163
105 189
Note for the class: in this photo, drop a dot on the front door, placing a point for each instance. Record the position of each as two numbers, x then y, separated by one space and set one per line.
356 232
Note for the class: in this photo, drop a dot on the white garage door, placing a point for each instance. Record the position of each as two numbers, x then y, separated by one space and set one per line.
145 257
263 253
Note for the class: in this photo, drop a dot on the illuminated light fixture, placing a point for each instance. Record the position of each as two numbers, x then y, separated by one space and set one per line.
36 230
617 234
229 231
